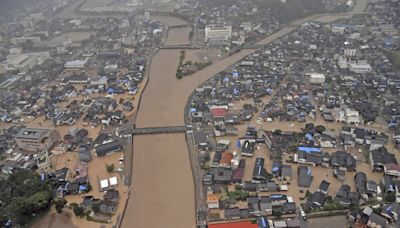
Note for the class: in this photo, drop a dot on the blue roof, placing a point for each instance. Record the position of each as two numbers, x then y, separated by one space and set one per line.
82 188
309 137
263 222
308 171
309 149
276 196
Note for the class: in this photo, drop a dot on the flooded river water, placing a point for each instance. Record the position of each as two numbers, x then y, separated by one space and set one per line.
162 185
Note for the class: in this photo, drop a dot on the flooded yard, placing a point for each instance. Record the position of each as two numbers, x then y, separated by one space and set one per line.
329 222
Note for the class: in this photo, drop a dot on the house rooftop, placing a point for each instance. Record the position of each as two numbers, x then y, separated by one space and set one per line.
32 133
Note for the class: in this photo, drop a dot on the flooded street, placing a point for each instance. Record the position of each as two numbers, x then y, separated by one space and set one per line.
162 190
162 185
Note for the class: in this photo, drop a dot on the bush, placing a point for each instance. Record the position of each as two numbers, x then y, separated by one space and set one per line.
320 129
78 210
237 195
59 204
110 168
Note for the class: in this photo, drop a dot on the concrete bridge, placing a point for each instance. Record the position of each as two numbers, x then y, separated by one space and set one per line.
253 46
159 130
178 47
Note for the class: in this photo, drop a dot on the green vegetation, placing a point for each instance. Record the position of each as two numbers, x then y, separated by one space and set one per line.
110 168
60 204
23 196
331 206
394 57
78 210
237 195
188 68
320 129
206 166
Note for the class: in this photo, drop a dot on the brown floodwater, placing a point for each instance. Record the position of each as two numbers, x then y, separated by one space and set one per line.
178 36
165 96
329 222
162 184
163 189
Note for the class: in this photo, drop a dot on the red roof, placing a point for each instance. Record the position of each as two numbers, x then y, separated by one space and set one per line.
218 112
226 158
393 166
247 224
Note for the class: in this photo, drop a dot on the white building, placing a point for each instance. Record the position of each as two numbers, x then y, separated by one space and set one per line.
23 40
76 64
316 78
40 56
217 33
22 62
350 52
342 63
360 67
352 117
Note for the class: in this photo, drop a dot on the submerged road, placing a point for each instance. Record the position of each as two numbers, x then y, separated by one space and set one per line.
163 188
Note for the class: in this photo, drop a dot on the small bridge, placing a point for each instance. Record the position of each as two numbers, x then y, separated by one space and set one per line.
159 130
178 47
253 46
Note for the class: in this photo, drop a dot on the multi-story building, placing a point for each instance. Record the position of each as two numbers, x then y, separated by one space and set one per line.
360 67
218 33
36 140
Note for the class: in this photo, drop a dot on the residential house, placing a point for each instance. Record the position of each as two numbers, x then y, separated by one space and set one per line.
226 159
221 175
361 183
286 173
380 158
304 176
323 187
391 211
259 172
232 213
392 169
239 172
317 200
377 221
212 201
248 148
108 148
343 160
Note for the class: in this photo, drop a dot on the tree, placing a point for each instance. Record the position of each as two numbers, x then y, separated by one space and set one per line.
277 132
59 204
78 210
320 129
110 168
23 195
